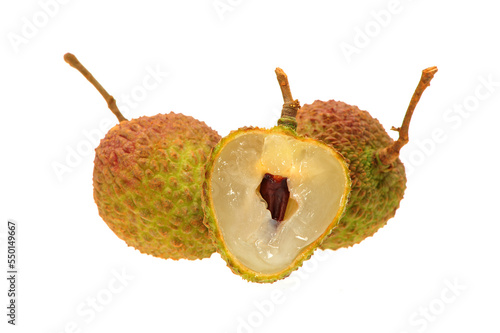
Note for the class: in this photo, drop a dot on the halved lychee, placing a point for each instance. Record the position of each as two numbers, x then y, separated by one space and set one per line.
271 197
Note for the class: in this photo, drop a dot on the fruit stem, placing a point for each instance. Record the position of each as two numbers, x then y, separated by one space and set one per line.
290 106
75 63
389 154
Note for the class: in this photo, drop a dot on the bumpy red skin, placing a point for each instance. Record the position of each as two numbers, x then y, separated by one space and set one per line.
148 176
376 189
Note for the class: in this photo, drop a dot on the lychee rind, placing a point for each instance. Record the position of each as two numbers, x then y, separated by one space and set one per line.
148 175
376 189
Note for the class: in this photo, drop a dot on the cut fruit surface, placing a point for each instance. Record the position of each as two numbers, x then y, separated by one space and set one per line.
272 197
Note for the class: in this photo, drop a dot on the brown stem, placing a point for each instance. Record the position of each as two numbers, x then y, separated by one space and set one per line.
390 154
290 106
73 62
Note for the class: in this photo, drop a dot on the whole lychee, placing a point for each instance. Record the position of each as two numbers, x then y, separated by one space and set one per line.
148 175
377 174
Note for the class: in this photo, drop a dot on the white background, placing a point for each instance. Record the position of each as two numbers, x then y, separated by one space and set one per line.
433 268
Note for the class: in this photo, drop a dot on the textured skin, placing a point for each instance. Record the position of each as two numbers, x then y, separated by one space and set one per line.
148 174
211 220
376 189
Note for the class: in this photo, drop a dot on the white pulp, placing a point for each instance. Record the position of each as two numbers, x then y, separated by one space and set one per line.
316 181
